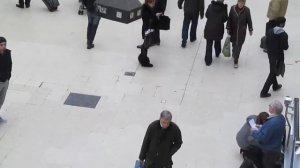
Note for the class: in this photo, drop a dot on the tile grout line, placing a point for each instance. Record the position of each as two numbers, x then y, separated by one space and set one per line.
191 70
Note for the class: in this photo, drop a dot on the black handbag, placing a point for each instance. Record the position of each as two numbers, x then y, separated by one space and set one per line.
164 23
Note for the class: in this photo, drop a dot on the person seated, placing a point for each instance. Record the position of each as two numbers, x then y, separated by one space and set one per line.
249 147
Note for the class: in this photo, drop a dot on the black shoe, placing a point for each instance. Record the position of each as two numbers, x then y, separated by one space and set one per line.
149 65
264 95
27 6
277 88
265 50
20 6
193 40
90 46
139 46
183 44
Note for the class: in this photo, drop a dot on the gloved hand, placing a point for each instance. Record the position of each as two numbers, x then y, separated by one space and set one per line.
201 15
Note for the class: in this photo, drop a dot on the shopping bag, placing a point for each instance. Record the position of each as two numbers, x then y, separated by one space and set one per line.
226 47
137 164
164 23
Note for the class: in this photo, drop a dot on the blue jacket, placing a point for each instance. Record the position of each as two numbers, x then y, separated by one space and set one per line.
271 133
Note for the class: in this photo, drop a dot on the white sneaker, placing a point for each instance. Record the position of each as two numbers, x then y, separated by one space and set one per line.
236 66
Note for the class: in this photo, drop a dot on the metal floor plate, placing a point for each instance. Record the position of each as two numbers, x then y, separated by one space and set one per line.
82 100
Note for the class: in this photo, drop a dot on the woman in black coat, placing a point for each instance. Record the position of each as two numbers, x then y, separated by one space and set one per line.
239 19
216 15
149 23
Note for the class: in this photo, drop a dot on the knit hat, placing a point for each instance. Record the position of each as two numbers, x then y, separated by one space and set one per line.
2 40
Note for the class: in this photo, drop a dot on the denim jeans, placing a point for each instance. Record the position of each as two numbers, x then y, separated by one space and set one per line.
93 22
186 24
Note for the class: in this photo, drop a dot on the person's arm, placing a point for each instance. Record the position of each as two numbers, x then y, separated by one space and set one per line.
249 21
201 8
284 41
145 145
225 14
263 134
177 142
229 22
179 3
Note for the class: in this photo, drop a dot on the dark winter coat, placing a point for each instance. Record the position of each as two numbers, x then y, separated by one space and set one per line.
149 18
160 6
5 65
160 144
216 15
192 7
277 42
237 24
89 5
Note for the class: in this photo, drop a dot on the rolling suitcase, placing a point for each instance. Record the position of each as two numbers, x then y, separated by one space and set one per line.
51 4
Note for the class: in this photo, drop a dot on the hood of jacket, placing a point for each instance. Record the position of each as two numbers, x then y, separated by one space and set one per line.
278 30
218 6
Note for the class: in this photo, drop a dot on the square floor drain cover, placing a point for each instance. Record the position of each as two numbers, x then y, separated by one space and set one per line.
82 100
129 73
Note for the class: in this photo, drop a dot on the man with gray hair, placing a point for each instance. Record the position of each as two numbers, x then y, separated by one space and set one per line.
271 134
161 142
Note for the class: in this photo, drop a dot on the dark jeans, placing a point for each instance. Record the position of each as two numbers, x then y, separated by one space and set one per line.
271 80
185 28
93 22
21 2
143 58
208 53
236 50
270 159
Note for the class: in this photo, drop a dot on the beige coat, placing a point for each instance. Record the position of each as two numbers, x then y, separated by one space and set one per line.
277 8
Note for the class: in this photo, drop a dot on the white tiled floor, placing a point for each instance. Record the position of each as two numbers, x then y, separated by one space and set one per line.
208 103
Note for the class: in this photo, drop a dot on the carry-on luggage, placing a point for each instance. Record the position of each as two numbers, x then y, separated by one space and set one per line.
51 4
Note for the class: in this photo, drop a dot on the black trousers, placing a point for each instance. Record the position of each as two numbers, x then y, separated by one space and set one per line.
143 58
208 53
21 2
270 25
270 159
254 154
236 50
271 80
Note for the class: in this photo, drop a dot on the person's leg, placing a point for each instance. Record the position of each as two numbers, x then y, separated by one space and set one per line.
89 27
236 53
21 4
185 30
3 90
208 53
271 80
193 31
218 48
94 21
143 58
270 159
27 3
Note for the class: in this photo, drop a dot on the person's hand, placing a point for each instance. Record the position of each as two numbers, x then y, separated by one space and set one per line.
228 32
158 14
179 6
251 32
141 163
254 129
201 15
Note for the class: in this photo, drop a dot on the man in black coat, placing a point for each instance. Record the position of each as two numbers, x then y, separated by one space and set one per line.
192 9
5 70
216 15
277 42
21 4
161 142
93 22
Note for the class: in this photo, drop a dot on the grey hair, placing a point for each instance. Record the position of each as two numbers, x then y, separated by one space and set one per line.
276 104
166 114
